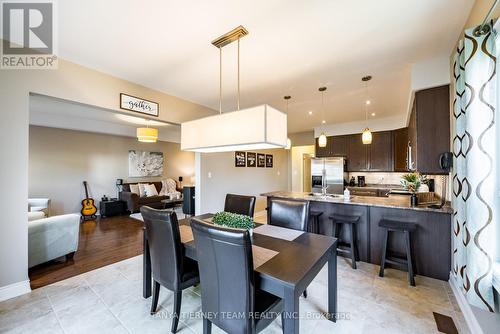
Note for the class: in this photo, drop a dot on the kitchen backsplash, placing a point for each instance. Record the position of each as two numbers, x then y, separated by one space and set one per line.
374 178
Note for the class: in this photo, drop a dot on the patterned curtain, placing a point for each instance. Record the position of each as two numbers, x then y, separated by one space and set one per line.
475 140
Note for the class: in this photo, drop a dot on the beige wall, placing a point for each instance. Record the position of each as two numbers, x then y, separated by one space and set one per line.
302 138
70 82
297 169
225 178
59 160
479 11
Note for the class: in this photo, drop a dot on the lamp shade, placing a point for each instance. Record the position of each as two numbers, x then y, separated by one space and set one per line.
261 127
147 135
366 137
322 140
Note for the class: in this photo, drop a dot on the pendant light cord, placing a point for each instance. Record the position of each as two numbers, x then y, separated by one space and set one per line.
220 80
238 74
322 106
366 103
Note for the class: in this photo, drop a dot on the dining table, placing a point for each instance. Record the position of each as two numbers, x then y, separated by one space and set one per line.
297 257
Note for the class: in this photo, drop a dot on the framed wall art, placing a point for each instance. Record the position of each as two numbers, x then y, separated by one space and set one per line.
239 159
137 104
251 159
261 160
269 160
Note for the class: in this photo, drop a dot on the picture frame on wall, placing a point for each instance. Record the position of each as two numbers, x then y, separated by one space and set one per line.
251 159
239 159
261 160
269 160
139 105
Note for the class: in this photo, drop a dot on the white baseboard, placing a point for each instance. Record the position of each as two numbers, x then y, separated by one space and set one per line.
14 290
464 305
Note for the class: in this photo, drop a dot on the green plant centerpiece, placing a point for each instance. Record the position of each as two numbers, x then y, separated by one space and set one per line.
411 182
233 220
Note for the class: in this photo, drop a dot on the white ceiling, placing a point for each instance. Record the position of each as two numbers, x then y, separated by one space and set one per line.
293 48
56 113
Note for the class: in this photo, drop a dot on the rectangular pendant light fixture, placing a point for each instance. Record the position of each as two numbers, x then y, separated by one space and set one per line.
255 128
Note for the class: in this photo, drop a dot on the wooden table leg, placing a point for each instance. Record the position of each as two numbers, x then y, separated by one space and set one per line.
332 285
146 268
291 312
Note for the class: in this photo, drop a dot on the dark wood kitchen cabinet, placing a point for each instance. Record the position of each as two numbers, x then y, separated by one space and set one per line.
376 157
357 155
380 152
321 152
336 146
400 137
430 128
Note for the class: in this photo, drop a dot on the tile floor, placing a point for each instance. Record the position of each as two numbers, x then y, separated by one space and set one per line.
109 300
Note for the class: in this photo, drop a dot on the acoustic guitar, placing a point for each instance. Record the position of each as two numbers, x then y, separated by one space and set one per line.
88 207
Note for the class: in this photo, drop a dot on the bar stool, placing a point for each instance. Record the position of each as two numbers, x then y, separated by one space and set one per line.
350 221
314 221
406 228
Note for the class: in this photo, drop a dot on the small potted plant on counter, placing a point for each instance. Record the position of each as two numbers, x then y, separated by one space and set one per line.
233 220
412 182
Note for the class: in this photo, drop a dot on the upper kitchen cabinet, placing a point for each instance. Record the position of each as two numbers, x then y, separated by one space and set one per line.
336 146
322 152
380 152
376 157
357 154
400 138
429 129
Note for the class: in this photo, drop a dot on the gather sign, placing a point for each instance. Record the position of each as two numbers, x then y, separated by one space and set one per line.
132 103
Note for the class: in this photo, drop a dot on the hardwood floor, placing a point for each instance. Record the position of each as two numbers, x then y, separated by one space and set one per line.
102 242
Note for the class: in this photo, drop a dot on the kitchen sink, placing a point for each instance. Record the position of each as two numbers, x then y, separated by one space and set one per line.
327 195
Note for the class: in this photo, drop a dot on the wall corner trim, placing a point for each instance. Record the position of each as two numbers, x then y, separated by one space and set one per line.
14 290
470 319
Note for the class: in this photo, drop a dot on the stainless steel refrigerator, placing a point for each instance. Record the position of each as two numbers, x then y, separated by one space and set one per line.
328 173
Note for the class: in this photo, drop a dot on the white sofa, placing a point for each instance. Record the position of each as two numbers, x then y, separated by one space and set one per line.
52 237
38 208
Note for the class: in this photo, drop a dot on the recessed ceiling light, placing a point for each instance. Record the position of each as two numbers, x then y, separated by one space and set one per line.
323 122
373 114
368 102
310 112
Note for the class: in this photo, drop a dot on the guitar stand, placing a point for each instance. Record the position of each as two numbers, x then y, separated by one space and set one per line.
85 218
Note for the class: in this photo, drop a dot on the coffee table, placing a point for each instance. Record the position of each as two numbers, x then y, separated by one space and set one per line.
172 203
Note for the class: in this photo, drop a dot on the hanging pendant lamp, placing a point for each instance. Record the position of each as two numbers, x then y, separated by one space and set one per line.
366 137
147 134
322 140
260 127
288 141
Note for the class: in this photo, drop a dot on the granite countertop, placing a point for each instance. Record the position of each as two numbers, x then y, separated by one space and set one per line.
393 201
379 186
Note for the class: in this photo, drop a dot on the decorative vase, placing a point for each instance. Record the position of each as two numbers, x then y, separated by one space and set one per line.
414 199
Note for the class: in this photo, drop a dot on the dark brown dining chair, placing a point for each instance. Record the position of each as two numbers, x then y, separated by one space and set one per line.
289 214
228 283
169 267
243 205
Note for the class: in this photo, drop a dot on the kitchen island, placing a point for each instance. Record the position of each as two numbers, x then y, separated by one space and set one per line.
431 241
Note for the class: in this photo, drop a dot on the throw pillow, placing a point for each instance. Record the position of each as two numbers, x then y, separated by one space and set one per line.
134 188
168 186
150 190
142 191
